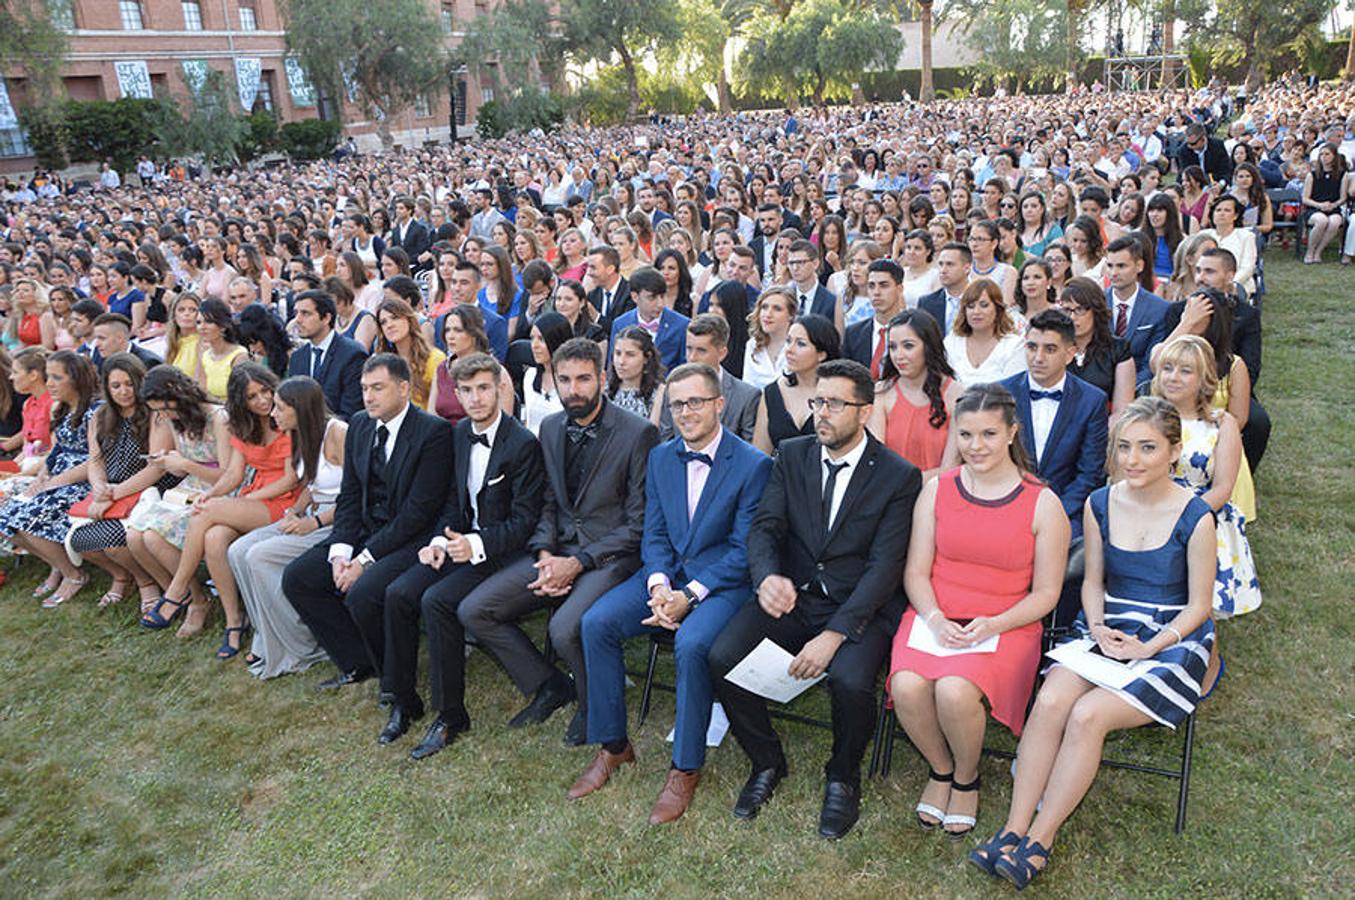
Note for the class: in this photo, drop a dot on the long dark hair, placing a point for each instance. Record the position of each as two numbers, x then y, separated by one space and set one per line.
652 375
683 303
928 332
1087 294
822 333
1219 331
1172 230
555 330
219 314
168 384
86 381
244 424
307 400
108 418
733 299
984 397
258 325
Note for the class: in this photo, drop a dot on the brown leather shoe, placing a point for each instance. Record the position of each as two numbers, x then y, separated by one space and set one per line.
675 797
599 771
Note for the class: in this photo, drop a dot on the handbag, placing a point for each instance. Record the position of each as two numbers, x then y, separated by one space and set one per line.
120 509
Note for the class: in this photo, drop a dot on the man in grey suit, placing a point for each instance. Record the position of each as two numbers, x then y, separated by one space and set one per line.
586 542
708 343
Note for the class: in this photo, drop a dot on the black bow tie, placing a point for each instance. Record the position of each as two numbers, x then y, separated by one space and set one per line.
1056 396
688 456
481 439
579 433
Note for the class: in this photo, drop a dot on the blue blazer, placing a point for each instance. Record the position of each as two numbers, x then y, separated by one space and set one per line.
713 547
1074 461
1147 328
671 340
858 343
934 305
340 374
496 329
822 303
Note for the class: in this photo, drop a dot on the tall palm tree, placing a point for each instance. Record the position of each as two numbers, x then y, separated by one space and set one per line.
927 90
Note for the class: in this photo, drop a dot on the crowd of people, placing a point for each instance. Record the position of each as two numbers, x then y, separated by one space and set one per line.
897 385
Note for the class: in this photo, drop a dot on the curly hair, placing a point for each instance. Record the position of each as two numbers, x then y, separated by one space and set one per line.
243 423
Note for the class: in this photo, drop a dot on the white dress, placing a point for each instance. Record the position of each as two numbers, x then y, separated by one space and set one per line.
535 404
914 289
1007 358
759 369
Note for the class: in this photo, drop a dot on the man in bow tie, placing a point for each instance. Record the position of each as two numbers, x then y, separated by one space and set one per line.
669 328
702 491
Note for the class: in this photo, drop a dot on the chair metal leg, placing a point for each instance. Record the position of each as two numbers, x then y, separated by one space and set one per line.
882 724
549 651
1187 750
649 681
887 763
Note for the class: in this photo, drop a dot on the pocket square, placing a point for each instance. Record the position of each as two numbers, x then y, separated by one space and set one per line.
1144 327
493 481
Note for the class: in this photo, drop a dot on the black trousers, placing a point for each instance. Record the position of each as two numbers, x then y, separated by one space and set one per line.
432 596
1256 434
341 622
851 683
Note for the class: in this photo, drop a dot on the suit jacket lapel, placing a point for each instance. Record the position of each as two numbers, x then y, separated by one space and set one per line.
813 475
1021 393
604 438
403 439
1070 398
496 453
553 437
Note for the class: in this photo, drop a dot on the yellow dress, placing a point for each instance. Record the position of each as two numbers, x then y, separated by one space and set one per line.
218 371
1244 489
430 373
186 360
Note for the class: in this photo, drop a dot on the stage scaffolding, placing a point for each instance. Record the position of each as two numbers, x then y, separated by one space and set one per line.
1139 73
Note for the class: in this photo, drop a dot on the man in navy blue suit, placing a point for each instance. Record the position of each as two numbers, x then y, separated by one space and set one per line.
702 491
1136 314
669 328
866 341
327 356
803 261
953 263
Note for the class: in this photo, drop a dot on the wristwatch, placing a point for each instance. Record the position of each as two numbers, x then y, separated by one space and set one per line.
692 600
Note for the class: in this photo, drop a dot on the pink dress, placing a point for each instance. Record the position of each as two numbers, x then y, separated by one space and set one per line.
985 554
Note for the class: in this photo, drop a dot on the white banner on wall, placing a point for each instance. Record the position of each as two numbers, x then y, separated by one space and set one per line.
248 72
298 85
134 79
8 118
195 74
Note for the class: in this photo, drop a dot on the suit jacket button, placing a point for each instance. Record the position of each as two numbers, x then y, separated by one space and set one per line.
819 566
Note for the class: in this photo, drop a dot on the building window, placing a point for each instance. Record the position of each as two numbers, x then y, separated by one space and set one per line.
486 95
13 143
422 108
131 15
446 20
264 99
247 20
62 13
192 15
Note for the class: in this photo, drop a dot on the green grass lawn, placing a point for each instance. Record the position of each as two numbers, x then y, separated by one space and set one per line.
134 763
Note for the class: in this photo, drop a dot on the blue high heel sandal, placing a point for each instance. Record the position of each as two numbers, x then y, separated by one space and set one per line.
155 620
1018 869
226 651
986 855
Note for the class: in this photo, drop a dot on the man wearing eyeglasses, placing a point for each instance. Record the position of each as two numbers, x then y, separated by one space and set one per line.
702 490
826 554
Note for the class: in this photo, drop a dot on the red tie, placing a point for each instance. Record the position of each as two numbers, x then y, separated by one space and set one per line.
878 354
1121 319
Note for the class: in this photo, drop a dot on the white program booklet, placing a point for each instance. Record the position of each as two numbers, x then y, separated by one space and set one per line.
1098 669
765 672
719 727
921 638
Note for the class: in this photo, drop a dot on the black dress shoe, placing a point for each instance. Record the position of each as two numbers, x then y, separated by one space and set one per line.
576 735
555 693
757 791
841 809
439 736
401 718
344 679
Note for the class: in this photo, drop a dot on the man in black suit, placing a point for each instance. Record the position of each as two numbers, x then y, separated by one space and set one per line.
112 334
826 553
953 263
327 356
1204 151
610 297
394 484
772 194
586 542
763 243
867 341
408 233
493 503
802 258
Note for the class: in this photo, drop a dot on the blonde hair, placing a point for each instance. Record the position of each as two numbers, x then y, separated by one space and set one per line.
1194 351
755 332
981 287
1154 411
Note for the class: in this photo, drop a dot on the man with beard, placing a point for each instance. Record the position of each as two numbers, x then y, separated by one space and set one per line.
587 540
327 356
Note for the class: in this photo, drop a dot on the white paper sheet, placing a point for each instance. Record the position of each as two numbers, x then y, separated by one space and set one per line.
719 727
1099 670
921 638
764 671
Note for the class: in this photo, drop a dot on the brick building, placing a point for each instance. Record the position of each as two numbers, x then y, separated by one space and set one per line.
144 47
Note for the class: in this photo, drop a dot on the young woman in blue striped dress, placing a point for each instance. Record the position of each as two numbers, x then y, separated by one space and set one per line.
1147 595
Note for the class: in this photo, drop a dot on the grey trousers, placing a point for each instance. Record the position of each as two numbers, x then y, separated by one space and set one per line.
257 560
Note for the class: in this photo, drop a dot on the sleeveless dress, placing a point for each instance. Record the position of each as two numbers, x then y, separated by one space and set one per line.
269 463
449 404
186 360
536 405
30 330
780 423
45 515
909 431
985 556
351 330
218 371
121 461
634 402
1145 590
1236 588
165 517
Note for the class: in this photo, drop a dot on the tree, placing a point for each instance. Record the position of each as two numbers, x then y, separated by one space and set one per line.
30 38
383 54
521 41
819 47
598 30
1253 33
1019 40
208 128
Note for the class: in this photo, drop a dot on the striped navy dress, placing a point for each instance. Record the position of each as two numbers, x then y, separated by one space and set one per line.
1145 591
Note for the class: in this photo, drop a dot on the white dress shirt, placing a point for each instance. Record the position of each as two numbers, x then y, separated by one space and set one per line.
323 349
1042 414
345 551
844 476
476 468
697 474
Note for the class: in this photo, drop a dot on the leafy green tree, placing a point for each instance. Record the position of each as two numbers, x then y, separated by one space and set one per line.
208 127
1254 33
819 47
522 39
1019 40
388 52
625 30
31 39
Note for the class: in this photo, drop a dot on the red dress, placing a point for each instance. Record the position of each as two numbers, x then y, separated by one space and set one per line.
30 330
985 554
269 462
909 431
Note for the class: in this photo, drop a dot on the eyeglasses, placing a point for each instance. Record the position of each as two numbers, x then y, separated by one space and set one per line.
696 404
799 261
833 405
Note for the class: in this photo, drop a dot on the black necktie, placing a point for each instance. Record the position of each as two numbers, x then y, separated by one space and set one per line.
481 439
833 470
580 433
316 355
688 456
1056 396
379 451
